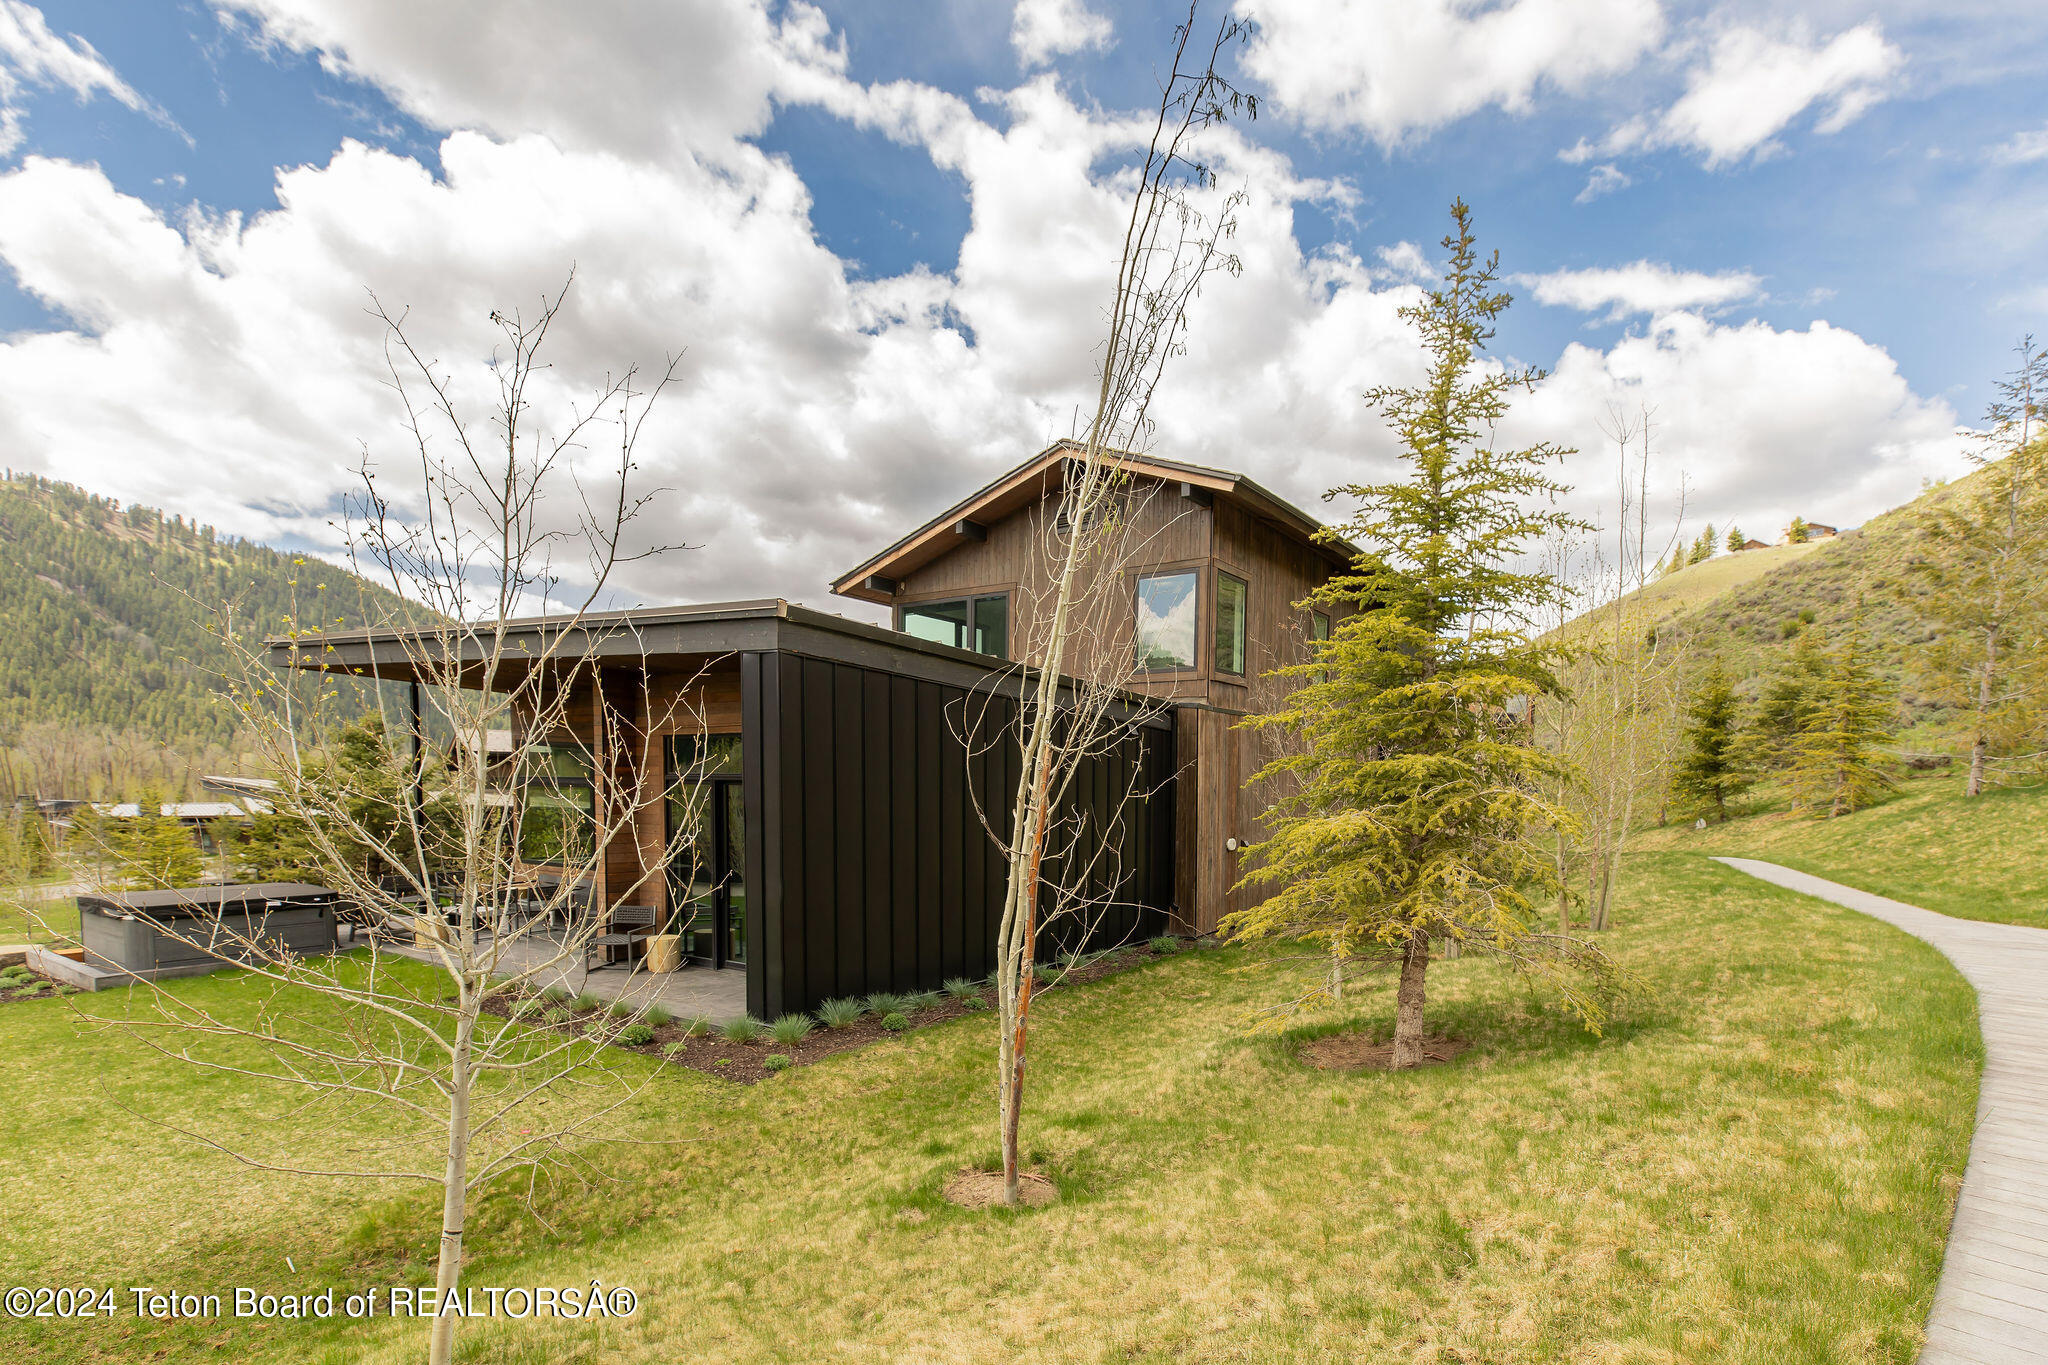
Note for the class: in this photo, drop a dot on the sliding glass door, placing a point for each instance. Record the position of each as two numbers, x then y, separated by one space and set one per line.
707 828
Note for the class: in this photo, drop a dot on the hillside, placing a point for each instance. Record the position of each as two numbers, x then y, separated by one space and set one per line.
100 618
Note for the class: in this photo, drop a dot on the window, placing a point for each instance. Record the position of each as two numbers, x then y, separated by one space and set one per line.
1318 626
981 624
1231 595
558 819
1166 620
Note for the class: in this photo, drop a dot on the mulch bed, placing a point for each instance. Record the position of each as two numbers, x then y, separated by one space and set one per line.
29 984
746 1063
1364 1052
972 1189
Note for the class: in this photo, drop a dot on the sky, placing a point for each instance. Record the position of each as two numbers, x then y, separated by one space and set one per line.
880 235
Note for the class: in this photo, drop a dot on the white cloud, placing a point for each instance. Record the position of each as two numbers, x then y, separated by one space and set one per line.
1762 423
32 55
1752 85
2022 148
1395 67
1641 287
1602 180
1043 29
224 367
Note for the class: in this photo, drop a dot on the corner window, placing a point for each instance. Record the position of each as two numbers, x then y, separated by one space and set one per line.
1231 597
558 816
1166 620
981 624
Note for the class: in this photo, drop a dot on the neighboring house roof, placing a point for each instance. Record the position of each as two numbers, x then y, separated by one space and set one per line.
238 786
177 810
495 741
1037 477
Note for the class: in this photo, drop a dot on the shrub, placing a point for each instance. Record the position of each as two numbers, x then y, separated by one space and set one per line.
974 1002
636 1035
960 988
775 1061
586 1002
557 1015
841 1012
744 1029
658 1015
1044 973
1073 961
675 1049
14 972
895 1022
884 1003
1164 944
623 1009
791 1029
557 994
67 990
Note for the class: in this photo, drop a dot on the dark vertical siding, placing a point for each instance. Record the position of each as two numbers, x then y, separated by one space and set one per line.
872 868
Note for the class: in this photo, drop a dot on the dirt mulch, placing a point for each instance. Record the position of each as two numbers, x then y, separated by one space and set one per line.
747 1063
972 1189
1363 1052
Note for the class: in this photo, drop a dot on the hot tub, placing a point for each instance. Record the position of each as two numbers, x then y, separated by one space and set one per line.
143 934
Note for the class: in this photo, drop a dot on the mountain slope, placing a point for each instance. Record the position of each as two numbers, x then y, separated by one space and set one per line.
103 612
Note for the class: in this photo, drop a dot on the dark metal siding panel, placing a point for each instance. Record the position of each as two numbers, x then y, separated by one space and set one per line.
820 825
761 792
930 758
975 851
849 833
880 841
952 833
903 829
796 947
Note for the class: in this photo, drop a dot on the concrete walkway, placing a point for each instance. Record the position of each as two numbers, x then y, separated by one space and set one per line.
693 992
1991 1307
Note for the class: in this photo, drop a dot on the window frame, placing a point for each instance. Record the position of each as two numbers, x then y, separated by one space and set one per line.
554 787
1191 571
1243 642
969 602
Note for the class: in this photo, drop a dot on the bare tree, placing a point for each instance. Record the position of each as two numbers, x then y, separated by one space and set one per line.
477 859
1174 238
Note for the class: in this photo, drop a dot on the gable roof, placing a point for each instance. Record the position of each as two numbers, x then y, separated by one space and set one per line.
1038 477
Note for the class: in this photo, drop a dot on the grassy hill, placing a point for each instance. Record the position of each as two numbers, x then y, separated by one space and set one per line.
103 613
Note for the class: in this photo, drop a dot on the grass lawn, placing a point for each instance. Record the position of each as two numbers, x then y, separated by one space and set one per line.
1975 858
25 919
1756 1164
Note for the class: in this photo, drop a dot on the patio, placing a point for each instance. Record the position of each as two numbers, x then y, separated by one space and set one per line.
694 991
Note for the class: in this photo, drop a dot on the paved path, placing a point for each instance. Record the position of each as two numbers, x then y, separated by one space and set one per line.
1991 1307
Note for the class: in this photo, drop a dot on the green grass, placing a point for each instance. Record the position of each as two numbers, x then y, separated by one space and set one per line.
24 920
1982 858
1756 1164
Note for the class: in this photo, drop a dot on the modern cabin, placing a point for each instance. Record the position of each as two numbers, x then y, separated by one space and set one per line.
859 775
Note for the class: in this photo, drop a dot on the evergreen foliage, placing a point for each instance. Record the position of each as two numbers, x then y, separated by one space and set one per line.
1736 540
1713 763
148 851
1703 548
1797 533
1851 711
1414 788
107 610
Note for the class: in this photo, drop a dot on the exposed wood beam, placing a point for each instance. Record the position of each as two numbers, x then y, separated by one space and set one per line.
970 530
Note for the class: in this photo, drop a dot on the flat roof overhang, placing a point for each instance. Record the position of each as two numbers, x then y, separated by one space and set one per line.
646 637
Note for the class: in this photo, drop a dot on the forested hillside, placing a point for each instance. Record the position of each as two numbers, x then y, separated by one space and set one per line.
103 638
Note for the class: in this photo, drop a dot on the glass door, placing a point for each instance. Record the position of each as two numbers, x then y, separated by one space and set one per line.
707 828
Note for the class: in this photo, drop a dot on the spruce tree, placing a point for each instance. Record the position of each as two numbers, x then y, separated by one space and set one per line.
153 851
1736 540
1713 762
1414 792
1838 762
1790 696
1797 533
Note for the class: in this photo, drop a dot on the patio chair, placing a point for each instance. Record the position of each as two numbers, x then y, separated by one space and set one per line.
629 925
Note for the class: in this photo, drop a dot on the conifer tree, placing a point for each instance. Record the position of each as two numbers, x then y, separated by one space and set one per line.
1413 792
1837 762
1703 548
1736 540
1713 762
1790 696
1797 533
153 851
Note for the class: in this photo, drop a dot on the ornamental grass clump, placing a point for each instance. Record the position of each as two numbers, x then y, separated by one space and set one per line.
960 988
791 1029
744 1029
586 1002
884 1003
775 1062
840 1012
657 1015
920 1001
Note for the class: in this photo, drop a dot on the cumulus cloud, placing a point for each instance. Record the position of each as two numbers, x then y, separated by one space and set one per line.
32 56
1602 180
1391 68
1043 29
1752 85
225 367
1641 287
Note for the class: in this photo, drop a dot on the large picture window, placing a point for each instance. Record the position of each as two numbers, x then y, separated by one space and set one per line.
1166 619
981 623
558 815
1232 597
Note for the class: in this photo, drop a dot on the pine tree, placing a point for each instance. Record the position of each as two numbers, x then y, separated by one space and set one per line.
151 850
1837 761
1413 791
1714 762
1790 696
1797 533
1703 548
1736 540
